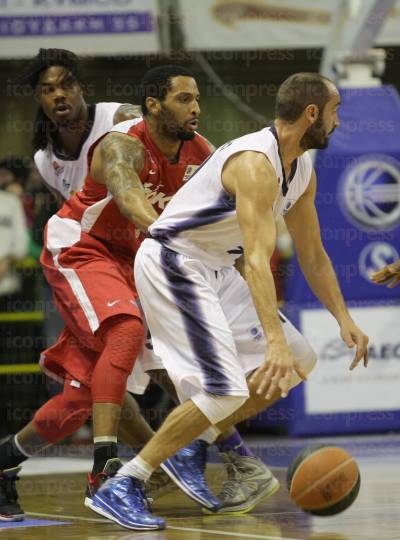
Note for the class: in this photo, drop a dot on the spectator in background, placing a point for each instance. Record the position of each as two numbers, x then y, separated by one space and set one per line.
13 245
13 174
15 178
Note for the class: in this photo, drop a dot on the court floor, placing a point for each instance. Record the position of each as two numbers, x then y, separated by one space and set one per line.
51 491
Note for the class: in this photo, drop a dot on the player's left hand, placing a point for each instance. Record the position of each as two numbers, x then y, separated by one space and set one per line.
389 275
354 337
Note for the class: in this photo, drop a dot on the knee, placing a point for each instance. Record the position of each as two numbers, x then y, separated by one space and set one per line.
64 414
123 339
307 359
217 408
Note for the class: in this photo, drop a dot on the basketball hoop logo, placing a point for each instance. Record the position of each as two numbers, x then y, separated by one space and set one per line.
370 190
374 257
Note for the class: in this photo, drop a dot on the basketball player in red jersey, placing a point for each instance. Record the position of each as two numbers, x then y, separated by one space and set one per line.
88 260
171 118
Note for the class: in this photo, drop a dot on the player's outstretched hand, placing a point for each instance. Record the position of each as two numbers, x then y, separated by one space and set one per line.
275 373
389 275
354 337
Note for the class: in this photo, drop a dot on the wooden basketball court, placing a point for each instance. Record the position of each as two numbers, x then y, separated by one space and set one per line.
54 503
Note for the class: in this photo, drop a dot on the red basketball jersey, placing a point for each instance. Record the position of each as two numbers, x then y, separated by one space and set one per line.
98 214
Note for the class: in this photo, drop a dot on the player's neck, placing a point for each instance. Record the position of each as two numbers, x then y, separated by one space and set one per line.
289 136
69 136
168 146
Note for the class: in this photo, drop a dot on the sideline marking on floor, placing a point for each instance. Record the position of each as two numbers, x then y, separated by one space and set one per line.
188 529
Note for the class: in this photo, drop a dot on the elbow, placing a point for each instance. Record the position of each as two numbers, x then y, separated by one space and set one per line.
255 263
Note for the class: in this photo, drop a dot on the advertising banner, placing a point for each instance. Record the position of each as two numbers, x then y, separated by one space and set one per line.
358 196
92 27
267 24
332 388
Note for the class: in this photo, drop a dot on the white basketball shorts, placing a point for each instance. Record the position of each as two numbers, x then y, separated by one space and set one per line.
203 323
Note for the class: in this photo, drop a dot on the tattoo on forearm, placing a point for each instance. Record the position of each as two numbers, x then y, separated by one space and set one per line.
123 159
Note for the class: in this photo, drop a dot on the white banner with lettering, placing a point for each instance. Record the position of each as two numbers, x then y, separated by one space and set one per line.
332 388
267 24
93 27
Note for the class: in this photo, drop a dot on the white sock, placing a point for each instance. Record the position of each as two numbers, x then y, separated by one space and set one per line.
105 439
20 448
136 467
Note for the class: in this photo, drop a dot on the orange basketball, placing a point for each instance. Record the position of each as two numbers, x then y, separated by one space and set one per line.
323 480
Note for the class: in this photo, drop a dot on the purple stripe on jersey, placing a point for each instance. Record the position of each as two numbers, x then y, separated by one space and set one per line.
224 205
196 327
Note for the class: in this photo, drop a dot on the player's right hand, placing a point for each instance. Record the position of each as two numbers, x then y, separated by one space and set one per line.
389 275
275 373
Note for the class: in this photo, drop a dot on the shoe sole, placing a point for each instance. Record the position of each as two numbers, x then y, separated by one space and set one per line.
104 513
88 502
241 509
174 476
15 517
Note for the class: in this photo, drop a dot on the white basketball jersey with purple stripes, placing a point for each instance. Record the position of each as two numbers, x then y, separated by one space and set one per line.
201 222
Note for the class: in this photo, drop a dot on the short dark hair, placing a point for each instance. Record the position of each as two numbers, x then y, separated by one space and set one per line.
157 81
298 91
46 58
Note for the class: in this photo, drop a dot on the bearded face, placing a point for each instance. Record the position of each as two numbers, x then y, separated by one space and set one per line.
317 136
173 128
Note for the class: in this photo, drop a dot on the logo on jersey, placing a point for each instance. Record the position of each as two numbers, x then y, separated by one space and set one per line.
375 256
58 169
288 205
155 196
256 333
65 184
190 169
370 192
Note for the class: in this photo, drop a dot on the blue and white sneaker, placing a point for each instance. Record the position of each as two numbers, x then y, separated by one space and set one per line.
186 468
122 499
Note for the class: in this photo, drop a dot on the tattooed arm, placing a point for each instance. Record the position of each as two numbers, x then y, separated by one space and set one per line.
117 162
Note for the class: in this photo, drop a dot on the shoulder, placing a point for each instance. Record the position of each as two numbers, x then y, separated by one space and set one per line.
204 143
249 162
131 127
306 165
107 107
42 159
118 141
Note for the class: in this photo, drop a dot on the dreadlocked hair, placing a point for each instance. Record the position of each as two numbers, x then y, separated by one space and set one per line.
43 127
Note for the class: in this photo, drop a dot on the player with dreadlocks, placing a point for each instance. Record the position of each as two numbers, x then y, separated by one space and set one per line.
66 126
64 129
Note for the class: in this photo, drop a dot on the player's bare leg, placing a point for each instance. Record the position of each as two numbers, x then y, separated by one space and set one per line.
133 428
229 440
249 479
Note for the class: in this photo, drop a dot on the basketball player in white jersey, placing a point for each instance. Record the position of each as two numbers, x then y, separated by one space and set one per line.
66 126
227 349
64 129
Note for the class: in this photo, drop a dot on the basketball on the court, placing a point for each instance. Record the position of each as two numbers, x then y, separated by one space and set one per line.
323 480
